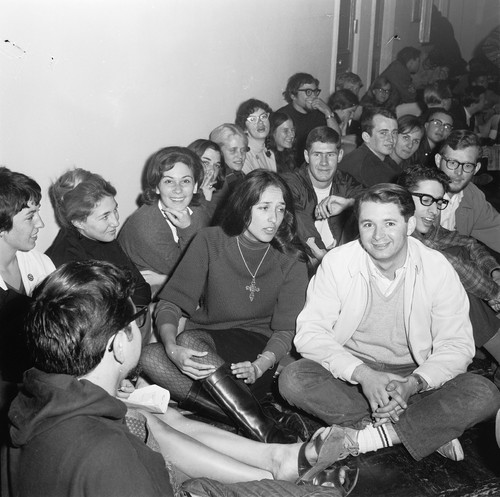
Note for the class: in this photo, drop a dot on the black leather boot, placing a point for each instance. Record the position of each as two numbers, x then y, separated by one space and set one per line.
200 402
243 408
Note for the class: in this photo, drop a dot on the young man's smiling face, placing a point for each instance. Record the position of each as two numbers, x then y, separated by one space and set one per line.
427 216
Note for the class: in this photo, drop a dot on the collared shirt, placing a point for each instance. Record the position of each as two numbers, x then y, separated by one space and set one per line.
385 284
172 227
448 220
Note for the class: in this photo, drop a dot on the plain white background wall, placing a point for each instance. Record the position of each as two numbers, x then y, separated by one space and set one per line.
104 83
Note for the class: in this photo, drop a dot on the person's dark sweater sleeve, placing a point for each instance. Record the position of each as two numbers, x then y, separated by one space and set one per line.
187 283
290 302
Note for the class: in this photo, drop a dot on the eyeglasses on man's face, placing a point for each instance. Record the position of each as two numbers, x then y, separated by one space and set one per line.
384 91
310 92
255 119
467 167
441 124
140 320
428 200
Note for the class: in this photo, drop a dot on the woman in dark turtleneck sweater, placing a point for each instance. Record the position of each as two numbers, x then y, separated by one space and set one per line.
241 285
85 208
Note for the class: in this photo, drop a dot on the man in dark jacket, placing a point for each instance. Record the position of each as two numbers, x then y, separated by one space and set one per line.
85 340
323 195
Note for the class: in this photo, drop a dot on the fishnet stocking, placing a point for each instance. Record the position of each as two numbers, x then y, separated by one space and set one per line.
162 371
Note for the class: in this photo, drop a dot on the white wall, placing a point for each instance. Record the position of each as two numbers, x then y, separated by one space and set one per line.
104 83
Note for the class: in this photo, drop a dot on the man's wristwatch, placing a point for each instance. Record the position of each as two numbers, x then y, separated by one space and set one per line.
330 116
420 382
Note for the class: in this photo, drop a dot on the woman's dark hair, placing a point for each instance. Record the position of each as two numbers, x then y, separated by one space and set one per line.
75 194
199 147
237 213
246 108
16 191
164 160
285 159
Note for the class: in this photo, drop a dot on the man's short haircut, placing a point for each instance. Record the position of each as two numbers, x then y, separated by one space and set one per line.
323 134
432 111
387 193
74 313
164 160
347 78
407 53
369 113
247 107
412 176
75 194
221 134
16 191
461 139
472 95
342 99
409 123
295 82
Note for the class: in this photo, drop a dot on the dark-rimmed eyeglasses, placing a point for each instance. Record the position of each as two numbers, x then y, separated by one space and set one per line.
452 164
310 92
441 124
139 317
255 119
382 90
428 200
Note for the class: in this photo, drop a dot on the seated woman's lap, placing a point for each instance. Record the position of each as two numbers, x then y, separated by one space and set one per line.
232 345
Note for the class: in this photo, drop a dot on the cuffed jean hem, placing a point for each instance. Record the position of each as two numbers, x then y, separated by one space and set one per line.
432 418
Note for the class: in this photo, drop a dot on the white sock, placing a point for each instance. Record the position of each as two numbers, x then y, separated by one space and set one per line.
371 438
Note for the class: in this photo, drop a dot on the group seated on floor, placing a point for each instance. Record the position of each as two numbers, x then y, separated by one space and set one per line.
265 273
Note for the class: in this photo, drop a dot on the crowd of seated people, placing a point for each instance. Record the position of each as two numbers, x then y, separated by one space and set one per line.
238 238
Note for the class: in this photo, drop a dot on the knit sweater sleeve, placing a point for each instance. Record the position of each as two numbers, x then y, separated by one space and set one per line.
185 287
290 302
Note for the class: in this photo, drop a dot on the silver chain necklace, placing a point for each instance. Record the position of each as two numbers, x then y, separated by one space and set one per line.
252 288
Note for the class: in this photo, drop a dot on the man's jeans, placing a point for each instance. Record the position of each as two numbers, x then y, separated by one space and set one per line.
431 419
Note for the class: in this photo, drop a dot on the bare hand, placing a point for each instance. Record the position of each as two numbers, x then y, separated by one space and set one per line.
318 104
125 389
316 251
246 371
399 392
374 385
332 206
182 357
180 219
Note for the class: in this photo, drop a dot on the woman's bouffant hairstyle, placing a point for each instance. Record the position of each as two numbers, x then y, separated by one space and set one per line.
164 160
246 108
74 313
408 123
16 191
237 213
76 193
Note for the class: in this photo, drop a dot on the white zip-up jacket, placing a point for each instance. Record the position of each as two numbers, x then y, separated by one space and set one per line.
436 313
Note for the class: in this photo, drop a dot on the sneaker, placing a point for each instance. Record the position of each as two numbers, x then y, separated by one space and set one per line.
452 450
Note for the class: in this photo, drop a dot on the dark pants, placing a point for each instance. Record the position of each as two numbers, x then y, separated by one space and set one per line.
431 419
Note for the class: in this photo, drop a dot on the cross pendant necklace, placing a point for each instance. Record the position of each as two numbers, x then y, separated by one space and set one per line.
252 288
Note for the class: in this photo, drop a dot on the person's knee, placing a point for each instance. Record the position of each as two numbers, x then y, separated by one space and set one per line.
291 381
484 395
